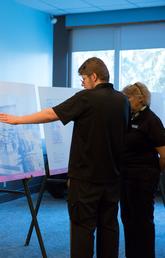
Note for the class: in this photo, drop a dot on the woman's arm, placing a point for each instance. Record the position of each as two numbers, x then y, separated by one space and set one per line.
161 151
44 116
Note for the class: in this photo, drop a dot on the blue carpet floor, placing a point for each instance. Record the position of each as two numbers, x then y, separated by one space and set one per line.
53 220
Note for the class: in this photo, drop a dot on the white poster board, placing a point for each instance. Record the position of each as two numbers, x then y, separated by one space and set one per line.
57 136
20 145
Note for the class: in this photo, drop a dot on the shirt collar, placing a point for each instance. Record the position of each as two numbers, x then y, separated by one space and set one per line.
134 115
104 85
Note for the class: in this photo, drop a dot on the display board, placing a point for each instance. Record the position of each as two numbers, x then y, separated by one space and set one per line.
20 145
57 136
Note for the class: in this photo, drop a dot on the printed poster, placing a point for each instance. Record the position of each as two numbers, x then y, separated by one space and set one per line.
20 145
57 136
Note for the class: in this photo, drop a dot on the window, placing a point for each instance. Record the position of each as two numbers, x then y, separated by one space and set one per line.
146 66
79 57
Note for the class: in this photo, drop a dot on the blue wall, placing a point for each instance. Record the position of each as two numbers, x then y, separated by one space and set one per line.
26 44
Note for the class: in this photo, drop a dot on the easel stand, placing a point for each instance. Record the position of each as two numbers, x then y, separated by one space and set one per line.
43 184
34 217
42 189
32 210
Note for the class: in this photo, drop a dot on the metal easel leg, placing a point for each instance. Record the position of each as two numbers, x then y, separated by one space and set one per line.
36 210
34 217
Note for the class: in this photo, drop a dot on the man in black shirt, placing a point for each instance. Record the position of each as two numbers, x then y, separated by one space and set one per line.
100 116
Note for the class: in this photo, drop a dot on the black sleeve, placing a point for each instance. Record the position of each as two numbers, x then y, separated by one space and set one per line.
157 132
129 119
72 108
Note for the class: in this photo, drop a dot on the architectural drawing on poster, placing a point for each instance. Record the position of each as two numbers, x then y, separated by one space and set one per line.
57 136
20 145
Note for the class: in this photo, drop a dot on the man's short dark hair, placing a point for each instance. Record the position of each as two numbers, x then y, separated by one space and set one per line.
94 65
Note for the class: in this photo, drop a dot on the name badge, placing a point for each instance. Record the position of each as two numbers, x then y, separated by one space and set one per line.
135 126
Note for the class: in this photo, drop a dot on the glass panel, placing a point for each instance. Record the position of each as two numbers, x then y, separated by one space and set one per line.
79 57
147 66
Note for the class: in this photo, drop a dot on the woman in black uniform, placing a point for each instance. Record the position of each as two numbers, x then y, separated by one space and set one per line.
143 160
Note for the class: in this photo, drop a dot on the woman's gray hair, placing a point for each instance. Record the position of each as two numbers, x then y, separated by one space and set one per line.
138 89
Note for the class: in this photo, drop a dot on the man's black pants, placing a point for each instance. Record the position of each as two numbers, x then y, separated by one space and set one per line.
90 205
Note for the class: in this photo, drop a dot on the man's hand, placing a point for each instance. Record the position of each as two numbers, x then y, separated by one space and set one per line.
9 119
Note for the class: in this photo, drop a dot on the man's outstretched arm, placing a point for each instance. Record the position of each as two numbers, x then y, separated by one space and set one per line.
44 116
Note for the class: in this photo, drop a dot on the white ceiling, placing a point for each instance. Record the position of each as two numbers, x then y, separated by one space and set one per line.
63 7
